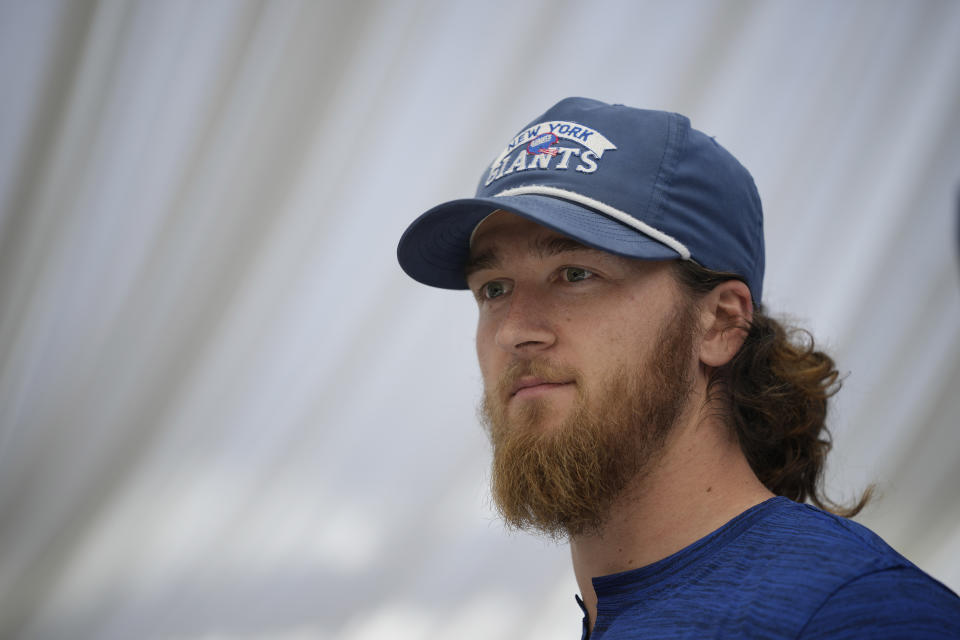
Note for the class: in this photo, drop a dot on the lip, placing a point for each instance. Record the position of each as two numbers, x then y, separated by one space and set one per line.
530 386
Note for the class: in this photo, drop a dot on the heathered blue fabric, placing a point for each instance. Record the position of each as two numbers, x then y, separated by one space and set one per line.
778 570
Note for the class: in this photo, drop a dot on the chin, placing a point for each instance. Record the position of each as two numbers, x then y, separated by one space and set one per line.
539 416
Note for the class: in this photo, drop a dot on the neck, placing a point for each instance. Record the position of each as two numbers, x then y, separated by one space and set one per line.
699 482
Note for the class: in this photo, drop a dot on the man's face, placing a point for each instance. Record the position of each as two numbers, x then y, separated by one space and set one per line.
587 362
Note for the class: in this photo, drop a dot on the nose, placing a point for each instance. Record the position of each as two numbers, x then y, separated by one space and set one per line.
525 328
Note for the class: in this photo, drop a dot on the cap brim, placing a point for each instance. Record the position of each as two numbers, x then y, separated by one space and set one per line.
435 247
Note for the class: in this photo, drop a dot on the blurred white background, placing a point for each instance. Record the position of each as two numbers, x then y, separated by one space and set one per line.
224 410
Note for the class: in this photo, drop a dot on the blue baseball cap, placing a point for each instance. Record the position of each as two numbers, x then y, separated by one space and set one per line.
633 182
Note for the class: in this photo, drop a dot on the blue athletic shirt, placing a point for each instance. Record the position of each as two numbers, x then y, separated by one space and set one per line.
778 570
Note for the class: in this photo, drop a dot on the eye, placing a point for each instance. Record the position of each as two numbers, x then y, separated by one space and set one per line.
493 289
575 274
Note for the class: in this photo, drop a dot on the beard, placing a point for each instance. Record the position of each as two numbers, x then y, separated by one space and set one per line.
562 480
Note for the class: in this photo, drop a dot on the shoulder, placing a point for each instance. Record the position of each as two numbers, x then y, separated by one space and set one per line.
779 570
900 602
840 579
807 539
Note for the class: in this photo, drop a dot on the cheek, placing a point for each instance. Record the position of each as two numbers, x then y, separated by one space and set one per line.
616 341
486 350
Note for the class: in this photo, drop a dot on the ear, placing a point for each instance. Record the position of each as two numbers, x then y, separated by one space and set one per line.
726 313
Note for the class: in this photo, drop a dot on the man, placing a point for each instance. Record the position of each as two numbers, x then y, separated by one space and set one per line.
640 402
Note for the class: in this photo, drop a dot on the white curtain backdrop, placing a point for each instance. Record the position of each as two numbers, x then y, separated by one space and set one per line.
224 410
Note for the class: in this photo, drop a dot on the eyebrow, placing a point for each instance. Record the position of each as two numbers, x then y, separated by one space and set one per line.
542 247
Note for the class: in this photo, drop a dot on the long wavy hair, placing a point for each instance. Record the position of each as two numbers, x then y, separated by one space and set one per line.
775 392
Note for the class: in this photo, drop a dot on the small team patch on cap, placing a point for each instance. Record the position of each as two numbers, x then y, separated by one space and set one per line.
543 144
538 147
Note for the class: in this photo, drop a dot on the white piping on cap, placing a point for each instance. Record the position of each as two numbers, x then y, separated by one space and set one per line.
613 212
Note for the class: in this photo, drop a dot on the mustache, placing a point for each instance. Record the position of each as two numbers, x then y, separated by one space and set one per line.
546 370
